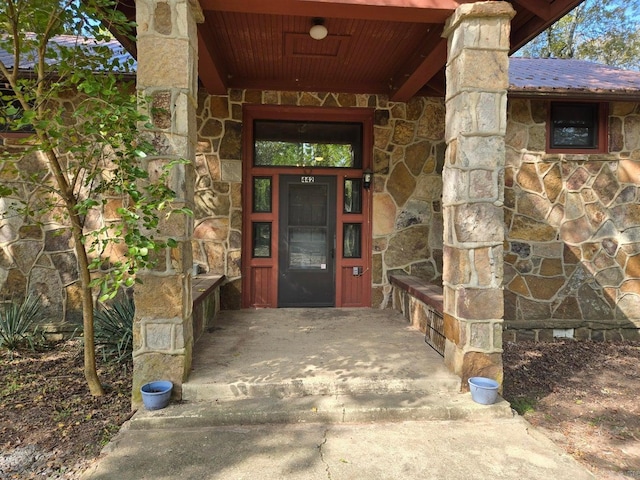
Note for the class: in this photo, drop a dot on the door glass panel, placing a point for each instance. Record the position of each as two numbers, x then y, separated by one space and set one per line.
307 144
262 239
308 226
308 205
262 194
352 195
351 240
308 247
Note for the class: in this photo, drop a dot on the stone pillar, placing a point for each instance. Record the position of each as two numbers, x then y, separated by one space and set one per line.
167 78
473 187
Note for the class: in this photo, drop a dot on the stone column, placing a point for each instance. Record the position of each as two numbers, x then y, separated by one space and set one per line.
473 187
167 78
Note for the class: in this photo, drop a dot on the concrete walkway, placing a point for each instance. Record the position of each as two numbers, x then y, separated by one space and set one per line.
456 450
326 394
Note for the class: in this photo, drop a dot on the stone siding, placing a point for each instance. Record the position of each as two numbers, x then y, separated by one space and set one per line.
407 219
37 256
572 250
408 159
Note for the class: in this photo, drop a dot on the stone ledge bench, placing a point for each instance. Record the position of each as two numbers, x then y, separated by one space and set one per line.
421 303
205 291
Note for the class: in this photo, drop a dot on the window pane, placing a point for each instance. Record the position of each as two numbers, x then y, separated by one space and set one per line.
262 194
307 144
573 137
352 195
352 240
11 112
262 239
574 125
308 205
308 247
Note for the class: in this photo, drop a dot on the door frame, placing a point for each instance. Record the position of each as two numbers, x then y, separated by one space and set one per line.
259 275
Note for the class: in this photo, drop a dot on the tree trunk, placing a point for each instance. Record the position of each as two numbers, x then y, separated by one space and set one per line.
90 371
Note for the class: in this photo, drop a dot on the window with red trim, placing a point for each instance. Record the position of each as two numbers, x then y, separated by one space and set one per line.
577 127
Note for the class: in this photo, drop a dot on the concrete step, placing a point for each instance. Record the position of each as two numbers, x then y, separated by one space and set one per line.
329 409
440 382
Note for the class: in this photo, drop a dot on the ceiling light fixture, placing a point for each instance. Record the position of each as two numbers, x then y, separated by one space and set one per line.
318 31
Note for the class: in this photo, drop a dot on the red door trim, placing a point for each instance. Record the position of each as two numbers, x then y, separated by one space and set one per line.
365 116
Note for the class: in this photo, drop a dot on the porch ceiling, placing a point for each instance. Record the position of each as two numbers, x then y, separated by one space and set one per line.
389 47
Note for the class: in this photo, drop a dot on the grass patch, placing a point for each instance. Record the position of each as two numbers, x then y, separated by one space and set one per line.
523 405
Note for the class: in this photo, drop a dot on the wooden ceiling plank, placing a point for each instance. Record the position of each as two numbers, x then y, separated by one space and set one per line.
212 76
414 11
539 8
408 85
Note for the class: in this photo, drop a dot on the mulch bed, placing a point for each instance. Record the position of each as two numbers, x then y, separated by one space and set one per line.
584 395
51 427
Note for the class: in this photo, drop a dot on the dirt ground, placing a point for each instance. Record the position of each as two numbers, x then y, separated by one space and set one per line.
584 395
50 426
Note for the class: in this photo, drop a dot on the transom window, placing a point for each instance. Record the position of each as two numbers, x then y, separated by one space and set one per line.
577 127
307 144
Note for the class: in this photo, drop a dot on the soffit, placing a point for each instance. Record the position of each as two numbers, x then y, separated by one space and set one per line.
391 47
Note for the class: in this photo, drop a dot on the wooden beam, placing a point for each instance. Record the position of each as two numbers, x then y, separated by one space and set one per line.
415 11
309 86
540 8
210 71
421 68
535 26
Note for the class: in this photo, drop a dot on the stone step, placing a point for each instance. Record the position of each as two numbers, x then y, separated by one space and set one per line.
330 409
321 385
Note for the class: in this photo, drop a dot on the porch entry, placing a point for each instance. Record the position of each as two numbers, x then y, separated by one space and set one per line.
306 207
307 243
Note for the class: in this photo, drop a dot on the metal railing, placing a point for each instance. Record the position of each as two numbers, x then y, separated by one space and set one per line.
434 336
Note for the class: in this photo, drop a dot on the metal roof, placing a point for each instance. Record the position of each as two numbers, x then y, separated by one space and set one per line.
69 41
527 76
553 76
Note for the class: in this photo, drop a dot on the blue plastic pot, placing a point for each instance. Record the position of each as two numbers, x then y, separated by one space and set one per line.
483 390
156 395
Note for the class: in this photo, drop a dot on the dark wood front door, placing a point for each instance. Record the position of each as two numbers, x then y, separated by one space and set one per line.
307 241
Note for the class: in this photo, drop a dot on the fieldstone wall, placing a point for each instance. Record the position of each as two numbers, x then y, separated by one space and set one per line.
572 249
37 255
408 159
407 218
572 255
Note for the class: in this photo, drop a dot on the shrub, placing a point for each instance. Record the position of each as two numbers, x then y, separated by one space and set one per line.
114 330
18 327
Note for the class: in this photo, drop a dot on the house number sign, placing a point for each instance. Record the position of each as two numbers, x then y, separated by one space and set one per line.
307 179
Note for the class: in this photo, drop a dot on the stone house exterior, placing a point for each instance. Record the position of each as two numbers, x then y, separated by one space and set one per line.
527 241
571 253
